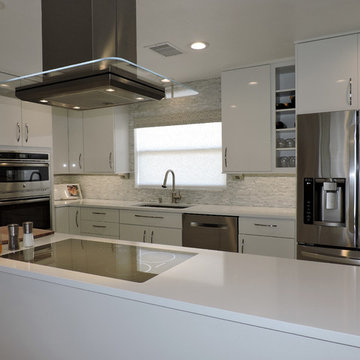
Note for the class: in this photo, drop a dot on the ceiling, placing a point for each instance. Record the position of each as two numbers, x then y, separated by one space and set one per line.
240 32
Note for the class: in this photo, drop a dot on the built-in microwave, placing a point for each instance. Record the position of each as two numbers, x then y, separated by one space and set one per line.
25 188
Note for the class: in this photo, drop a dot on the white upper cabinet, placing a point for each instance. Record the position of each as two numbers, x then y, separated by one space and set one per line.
246 120
10 115
60 141
106 143
68 148
36 125
20 37
76 142
25 124
327 75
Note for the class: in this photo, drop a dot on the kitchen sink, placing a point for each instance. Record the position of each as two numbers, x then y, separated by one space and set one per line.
164 206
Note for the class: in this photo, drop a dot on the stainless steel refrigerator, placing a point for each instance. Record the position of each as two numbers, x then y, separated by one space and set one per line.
328 187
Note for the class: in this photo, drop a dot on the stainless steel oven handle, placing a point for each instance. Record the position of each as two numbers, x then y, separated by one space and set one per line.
17 164
333 259
28 201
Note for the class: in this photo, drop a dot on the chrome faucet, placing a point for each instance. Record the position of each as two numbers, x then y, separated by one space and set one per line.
175 196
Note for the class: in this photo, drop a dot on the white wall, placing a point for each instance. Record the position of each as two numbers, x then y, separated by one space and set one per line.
20 37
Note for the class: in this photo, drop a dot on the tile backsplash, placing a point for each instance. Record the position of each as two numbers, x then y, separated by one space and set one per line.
271 191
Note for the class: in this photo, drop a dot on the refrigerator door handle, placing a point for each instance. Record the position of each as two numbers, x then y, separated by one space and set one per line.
329 258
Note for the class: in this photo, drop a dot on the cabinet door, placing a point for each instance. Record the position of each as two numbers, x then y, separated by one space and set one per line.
246 120
326 75
62 219
268 246
76 142
74 220
60 141
10 115
36 125
134 233
99 141
165 236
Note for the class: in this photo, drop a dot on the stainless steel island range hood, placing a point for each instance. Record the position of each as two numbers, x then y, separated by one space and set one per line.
89 59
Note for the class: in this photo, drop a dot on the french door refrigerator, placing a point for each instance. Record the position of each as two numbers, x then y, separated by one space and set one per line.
328 187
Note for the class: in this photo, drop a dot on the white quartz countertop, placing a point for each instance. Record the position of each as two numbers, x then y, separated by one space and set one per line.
315 300
244 211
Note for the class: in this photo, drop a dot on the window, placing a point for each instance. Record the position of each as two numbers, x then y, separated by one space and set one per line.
192 151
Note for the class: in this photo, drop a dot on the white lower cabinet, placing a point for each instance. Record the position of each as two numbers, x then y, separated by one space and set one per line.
74 220
269 237
151 226
148 234
99 222
62 219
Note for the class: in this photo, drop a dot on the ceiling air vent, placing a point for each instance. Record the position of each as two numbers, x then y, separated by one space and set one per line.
165 49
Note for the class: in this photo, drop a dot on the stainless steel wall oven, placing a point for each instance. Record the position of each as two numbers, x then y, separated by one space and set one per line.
25 188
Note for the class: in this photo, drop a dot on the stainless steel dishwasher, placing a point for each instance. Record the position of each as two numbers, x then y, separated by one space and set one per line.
212 232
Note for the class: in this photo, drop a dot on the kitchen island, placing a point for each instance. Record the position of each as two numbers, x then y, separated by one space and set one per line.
214 305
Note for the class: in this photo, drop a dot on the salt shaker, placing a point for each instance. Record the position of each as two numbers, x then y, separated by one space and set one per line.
13 236
28 235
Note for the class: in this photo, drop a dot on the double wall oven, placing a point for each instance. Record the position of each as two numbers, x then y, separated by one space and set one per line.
25 188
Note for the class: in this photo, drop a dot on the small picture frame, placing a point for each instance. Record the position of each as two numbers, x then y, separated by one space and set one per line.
73 191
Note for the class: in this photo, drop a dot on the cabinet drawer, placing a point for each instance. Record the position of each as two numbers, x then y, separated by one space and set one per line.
99 228
267 227
99 214
151 218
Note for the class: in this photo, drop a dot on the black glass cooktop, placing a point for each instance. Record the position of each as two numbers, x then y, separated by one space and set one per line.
126 262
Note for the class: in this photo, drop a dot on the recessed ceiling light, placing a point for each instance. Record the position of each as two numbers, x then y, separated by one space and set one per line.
199 45
165 80
4 85
139 98
76 107
253 83
44 101
110 90
233 106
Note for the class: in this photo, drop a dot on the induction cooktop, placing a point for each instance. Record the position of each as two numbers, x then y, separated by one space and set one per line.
119 261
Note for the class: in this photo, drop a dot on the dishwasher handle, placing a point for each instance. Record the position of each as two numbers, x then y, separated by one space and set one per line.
208 225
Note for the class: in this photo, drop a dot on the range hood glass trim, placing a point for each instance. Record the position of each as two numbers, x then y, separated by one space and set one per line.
172 88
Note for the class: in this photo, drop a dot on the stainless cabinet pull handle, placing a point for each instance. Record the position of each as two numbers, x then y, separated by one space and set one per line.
110 160
98 213
151 237
80 161
242 246
266 225
218 226
99 226
149 216
76 218
18 130
27 132
225 155
350 91
144 235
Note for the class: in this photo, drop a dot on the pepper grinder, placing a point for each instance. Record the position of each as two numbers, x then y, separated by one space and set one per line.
28 235
13 236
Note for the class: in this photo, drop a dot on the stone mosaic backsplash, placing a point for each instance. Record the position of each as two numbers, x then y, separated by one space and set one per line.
269 191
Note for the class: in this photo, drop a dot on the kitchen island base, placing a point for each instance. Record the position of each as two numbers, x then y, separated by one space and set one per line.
43 320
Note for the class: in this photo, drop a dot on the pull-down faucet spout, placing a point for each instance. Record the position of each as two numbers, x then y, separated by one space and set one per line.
174 194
